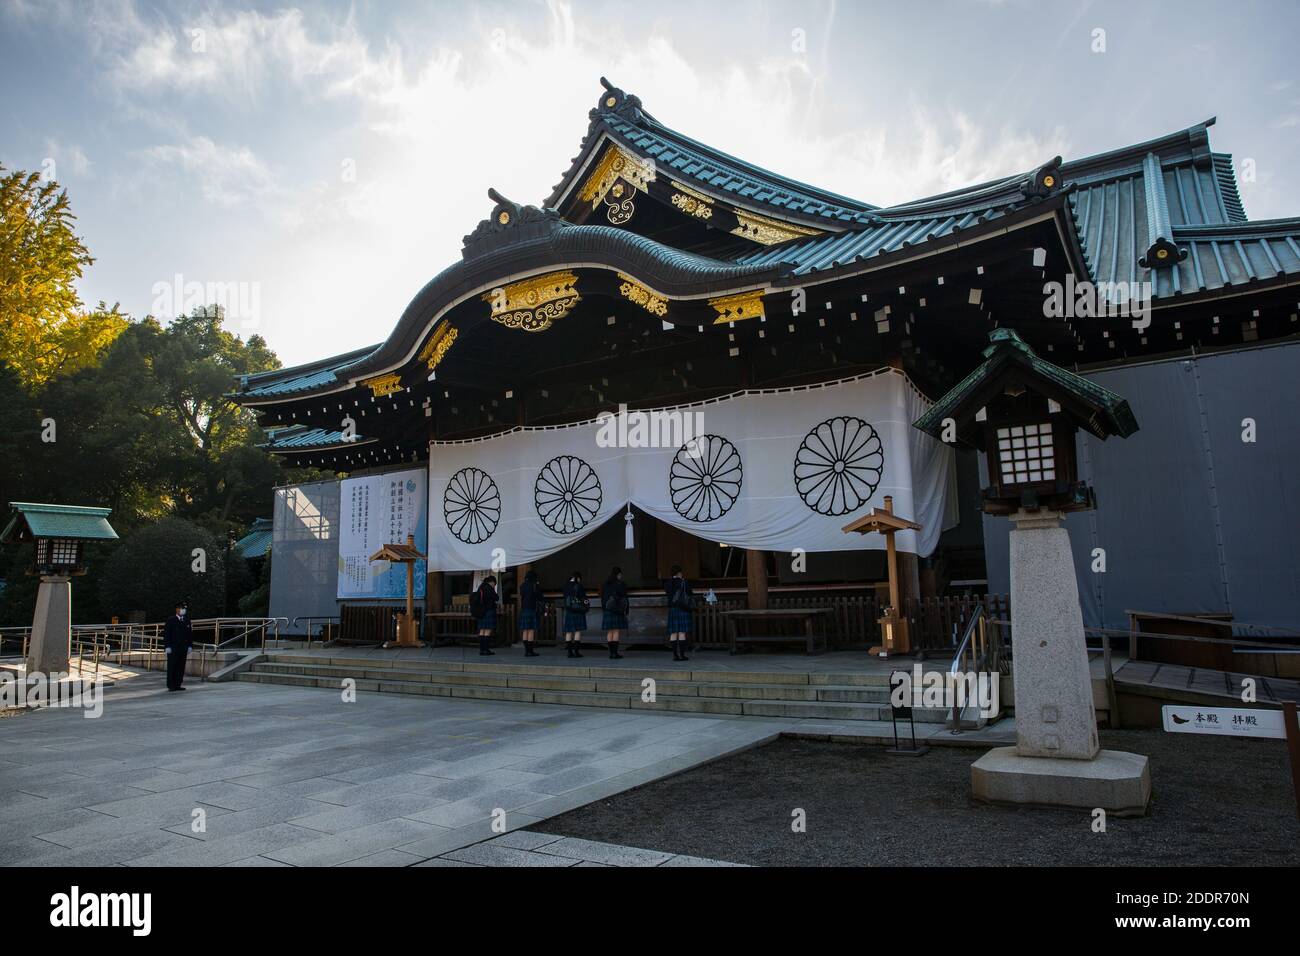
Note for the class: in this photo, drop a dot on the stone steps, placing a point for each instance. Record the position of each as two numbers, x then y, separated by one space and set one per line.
736 693
602 682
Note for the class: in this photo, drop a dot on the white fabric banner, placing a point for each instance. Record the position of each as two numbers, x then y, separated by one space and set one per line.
775 470
374 511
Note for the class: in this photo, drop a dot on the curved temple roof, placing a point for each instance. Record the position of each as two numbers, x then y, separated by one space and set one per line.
1166 211
620 117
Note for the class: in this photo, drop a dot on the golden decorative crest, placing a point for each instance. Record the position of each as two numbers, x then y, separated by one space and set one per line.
736 308
384 384
634 291
691 202
617 166
768 231
438 346
534 304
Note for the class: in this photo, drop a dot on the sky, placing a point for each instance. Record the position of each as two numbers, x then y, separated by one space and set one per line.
316 164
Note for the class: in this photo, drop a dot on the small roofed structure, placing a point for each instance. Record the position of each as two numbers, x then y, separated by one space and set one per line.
893 626
59 533
408 554
257 543
1022 411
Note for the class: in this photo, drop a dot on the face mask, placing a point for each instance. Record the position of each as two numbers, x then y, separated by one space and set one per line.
181 613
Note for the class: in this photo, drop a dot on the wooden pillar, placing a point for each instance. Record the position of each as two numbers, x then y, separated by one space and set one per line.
895 596
756 575
410 626
433 591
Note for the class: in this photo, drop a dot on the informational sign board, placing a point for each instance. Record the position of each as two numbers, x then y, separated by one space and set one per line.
1223 721
375 511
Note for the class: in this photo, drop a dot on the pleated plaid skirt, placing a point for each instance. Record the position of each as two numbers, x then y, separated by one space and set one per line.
575 621
488 621
527 620
613 621
679 621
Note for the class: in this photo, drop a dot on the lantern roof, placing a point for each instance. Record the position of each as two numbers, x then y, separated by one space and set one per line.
398 553
29 520
1009 361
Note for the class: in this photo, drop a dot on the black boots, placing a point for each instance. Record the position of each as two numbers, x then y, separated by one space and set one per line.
679 651
528 650
614 655
483 647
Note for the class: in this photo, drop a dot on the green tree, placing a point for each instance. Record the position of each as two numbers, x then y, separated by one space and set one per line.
44 330
155 566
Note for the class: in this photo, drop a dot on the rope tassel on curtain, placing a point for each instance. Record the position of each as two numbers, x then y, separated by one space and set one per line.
629 540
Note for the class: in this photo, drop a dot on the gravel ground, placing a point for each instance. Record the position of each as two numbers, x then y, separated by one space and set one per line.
1215 801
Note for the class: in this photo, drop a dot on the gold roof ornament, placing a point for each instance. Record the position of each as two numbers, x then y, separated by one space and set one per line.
617 165
634 291
384 384
691 202
768 231
438 346
534 304
737 308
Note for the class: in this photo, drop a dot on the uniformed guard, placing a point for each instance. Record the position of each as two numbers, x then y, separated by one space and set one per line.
178 637
485 614
530 609
680 602
614 604
576 605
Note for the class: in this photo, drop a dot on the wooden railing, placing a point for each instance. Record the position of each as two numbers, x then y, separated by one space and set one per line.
935 624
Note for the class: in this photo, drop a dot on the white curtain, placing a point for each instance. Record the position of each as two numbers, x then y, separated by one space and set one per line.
775 470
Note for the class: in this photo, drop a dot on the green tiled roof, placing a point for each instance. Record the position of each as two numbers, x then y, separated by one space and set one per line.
1111 413
257 542
57 521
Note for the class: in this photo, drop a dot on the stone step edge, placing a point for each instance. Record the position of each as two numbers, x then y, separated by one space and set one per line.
601 699
838 679
599 677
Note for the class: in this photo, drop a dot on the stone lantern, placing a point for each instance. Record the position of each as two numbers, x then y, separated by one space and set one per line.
59 533
1023 413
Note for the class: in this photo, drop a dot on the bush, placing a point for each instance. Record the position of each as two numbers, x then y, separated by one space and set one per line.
153 568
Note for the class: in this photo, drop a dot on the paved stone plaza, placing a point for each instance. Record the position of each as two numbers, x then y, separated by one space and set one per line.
295 776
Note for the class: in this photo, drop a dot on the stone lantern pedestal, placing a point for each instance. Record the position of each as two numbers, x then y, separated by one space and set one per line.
1057 760
47 651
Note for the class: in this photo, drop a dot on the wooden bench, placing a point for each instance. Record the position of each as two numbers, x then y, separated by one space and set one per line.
812 634
437 637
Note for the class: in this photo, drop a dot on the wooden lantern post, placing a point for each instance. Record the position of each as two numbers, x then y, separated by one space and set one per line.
892 623
407 629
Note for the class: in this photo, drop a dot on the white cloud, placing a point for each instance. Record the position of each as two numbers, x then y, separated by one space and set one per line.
429 125
67 157
225 175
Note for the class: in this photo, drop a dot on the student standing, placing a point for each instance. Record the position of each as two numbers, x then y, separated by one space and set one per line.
680 602
613 602
575 614
485 613
530 606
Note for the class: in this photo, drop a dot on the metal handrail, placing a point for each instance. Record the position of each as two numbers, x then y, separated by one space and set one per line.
309 619
977 651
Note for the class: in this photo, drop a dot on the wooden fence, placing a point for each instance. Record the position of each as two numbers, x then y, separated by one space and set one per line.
932 622
935 624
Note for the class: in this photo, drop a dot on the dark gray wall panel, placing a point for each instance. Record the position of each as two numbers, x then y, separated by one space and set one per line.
1191 518
305 551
